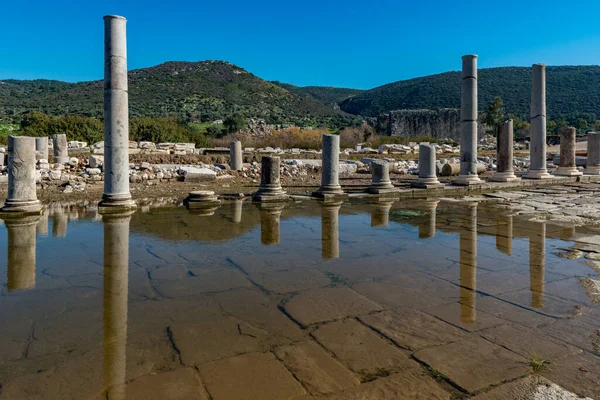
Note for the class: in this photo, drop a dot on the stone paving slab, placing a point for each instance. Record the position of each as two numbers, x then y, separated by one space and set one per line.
253 376
413 329
203 281
540 302
181 384
511 312
390 295
474 363
327 305
576 332
315 368
529 388
580 374
362 350
464 316
290 281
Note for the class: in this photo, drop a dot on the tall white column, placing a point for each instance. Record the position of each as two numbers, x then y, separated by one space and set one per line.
116 195
330 168
537 142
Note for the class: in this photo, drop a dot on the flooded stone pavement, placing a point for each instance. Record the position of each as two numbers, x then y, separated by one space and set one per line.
409 299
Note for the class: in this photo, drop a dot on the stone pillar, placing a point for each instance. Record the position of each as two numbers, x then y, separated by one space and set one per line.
116 195
567 166
202 202
537 263
468 265
380 178
468 123
42 226
331 167
537 146
60 149
41 148
116 279
235 151
20 272
504 163
59 224
380 213
22 196
504 233
427 227
427 167
237 211
593 154
330 229
270 218
270 182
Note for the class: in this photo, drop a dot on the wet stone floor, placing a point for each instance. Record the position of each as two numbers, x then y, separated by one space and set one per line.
423 299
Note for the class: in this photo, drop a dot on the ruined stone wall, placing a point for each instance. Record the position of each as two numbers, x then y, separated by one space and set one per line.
442 124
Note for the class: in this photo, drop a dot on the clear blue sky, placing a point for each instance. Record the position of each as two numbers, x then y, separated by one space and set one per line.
348 43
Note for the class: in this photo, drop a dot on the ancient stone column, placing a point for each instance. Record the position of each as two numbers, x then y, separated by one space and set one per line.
593 154
235 151
237 211
20 272
22 196
116 279
537 263
42 226
380 213
202 202
270 182
504 233
468 264
331 166
116 195
468 123
41 148
60 149
59 224
380 178
427 227
567 166
427 167
537 146
330 229
270 219
504 163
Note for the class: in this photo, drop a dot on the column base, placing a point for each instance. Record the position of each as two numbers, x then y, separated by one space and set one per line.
382 187
591 171
426 183
328 191
467 180
507 176
270 196
537 174
116 204
567 171
21 208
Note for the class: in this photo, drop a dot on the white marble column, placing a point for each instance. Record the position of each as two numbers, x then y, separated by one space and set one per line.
504 163
427 168
22 195
270 189
537 146
41 148
116 197
330 168
235 152
380 178
60 148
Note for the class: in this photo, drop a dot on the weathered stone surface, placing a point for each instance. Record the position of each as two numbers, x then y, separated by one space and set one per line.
529 388
580 374
181 384
328 304
392 295
575 332
254 376
315 368
361 349
510 312
330 166
203 281
474 364
22 196
413 329
464 316
293 280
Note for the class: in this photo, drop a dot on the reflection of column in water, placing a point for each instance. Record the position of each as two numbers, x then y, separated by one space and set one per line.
116 276
21 252
270 216
427 226
59 224
330 229
566 233
504 233
468 264
537 259
42 225
237 211
380 213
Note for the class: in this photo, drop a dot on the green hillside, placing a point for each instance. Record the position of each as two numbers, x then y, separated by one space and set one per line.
326 94
570 90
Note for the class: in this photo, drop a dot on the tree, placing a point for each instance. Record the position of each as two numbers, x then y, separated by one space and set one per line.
494 115
581 123
234 123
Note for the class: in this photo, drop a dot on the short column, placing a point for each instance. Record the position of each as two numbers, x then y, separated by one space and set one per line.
380 178
20 272
235 152
330 168
270 219
116 197
593 154
427 168
202 202
41 148
330 229
504 163
22 196
60 149
468 123
567 166
537 146
270 183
